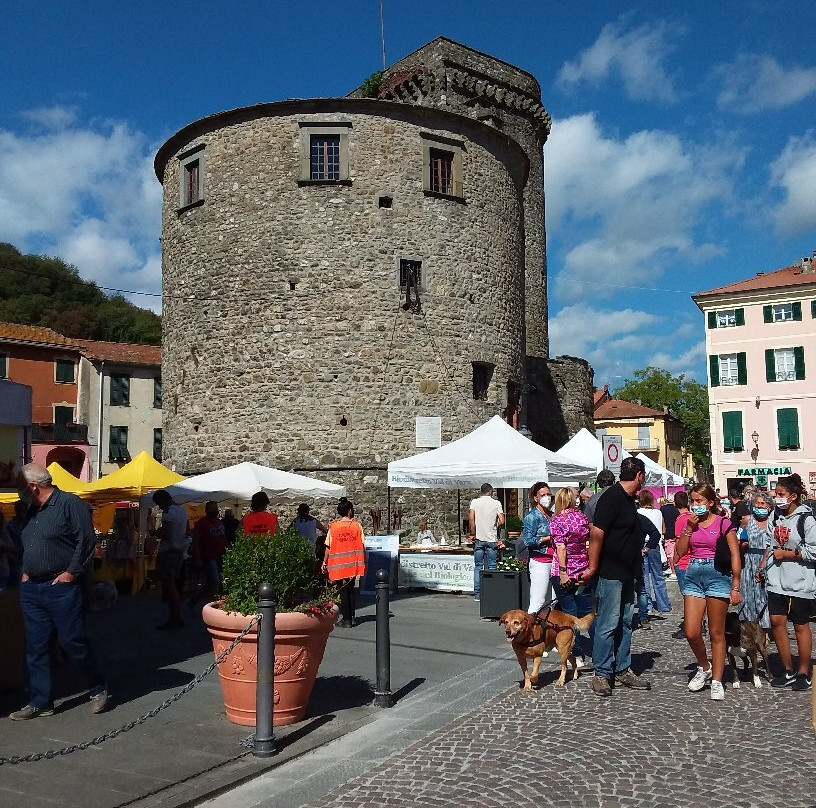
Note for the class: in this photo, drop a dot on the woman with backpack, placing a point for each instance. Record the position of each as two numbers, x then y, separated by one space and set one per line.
791 579
707 586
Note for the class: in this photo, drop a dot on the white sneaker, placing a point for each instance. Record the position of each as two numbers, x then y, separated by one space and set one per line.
579 662
671 577
700 679
717 691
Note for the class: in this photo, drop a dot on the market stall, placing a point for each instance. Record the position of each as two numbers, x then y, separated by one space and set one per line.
494 453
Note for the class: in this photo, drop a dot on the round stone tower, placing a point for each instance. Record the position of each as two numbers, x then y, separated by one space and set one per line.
334 269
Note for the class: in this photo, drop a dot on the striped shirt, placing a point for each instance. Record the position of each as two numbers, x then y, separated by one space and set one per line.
58 537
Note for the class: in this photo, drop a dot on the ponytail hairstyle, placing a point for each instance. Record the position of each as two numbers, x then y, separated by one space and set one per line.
345 508
794 484
709 493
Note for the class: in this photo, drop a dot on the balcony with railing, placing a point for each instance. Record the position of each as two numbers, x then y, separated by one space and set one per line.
59 433
635 445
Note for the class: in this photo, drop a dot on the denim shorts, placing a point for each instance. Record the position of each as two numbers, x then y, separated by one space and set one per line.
703 581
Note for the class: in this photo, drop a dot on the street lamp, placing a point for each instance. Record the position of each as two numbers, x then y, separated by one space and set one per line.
755 438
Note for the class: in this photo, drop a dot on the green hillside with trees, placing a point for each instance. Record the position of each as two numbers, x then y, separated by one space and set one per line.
36 290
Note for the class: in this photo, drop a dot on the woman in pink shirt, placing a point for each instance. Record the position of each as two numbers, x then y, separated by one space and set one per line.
705 588
569 530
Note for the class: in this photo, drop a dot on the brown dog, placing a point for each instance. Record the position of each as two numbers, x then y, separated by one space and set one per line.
531 637
746 639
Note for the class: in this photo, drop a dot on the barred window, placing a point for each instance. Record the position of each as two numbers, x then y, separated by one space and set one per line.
441 171
324 156
410 269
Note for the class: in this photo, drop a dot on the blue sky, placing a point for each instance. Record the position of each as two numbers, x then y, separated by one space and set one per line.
682 156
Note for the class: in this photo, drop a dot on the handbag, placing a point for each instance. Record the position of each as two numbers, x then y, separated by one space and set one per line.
722 552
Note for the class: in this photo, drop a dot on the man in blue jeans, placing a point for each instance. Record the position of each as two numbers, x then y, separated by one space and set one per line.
58 540
485 518
615 556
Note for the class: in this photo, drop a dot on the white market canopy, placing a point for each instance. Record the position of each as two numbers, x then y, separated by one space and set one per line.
655 470
238 484
493 453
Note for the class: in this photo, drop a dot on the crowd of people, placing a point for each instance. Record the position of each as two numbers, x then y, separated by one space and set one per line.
613 552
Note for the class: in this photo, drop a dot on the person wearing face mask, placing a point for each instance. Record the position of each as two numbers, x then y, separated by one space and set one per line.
536 535
790 541
754 604
706 589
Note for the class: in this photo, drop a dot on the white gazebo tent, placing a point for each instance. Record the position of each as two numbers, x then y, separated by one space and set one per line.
238 483
658 477
494 453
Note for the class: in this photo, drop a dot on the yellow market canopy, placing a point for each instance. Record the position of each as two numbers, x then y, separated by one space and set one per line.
63 479
140 476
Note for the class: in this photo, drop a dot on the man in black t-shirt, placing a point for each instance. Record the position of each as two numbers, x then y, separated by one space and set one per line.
739 507
615 556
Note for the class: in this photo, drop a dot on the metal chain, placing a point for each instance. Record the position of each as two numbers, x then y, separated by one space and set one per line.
67 750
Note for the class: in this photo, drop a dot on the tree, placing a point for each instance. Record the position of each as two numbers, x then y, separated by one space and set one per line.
35 290
686 399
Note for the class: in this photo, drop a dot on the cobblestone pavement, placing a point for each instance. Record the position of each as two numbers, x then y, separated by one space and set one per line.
567 747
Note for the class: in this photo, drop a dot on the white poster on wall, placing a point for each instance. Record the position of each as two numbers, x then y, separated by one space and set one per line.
428 432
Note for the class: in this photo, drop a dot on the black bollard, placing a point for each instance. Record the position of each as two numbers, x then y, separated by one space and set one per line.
264 745
382 692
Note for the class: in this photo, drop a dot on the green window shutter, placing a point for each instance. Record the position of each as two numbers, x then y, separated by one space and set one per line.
714 370
65 371
157 392
740 315
157 444
770 365
813 308
119 390
787 427
3 366
767 314
797 310
712 319
732 431
113 443
799 362
742 370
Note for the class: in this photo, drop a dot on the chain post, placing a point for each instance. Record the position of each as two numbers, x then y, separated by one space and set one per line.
382 692
264 745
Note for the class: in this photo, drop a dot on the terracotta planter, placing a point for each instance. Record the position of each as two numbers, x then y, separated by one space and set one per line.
300 641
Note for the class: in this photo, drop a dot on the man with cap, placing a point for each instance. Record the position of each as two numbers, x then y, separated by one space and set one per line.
259 521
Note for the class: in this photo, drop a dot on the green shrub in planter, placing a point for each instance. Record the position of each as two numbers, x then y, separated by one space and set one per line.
514 524
285 560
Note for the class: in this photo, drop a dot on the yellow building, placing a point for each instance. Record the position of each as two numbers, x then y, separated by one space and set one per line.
654 433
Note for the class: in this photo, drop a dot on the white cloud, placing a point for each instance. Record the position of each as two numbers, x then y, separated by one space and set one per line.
684 362
635 56
627 207
755 83
794 171
570 335
55 117
86 194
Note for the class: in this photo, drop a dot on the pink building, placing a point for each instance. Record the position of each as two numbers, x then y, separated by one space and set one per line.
761 347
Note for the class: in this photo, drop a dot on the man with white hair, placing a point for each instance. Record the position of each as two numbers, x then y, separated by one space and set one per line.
58 540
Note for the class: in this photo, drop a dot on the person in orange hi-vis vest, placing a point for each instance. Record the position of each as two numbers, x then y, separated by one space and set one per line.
344 559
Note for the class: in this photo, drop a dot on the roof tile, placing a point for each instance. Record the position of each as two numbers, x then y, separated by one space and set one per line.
788 276
35 334
616 408
123 352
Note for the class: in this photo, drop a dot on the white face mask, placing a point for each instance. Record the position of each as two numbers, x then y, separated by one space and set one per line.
545 501
781 502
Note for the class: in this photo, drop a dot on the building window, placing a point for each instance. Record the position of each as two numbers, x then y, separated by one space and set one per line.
787 427
410 269
324 153
191 177
727 369
64 371
3 366
157 392
63 415
482 374
732 432
117 444
730 318
442 167
157 444
119 390
785 364
782 312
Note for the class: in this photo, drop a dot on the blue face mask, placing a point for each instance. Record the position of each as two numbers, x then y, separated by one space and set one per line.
761 513
699 510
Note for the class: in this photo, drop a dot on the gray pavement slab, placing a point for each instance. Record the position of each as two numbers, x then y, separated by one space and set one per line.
563 746
190 750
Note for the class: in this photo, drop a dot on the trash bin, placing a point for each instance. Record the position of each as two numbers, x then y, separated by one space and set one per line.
500 592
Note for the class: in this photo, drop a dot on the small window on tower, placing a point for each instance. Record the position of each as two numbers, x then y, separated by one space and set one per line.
442 169
410 271
482 374
191 177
